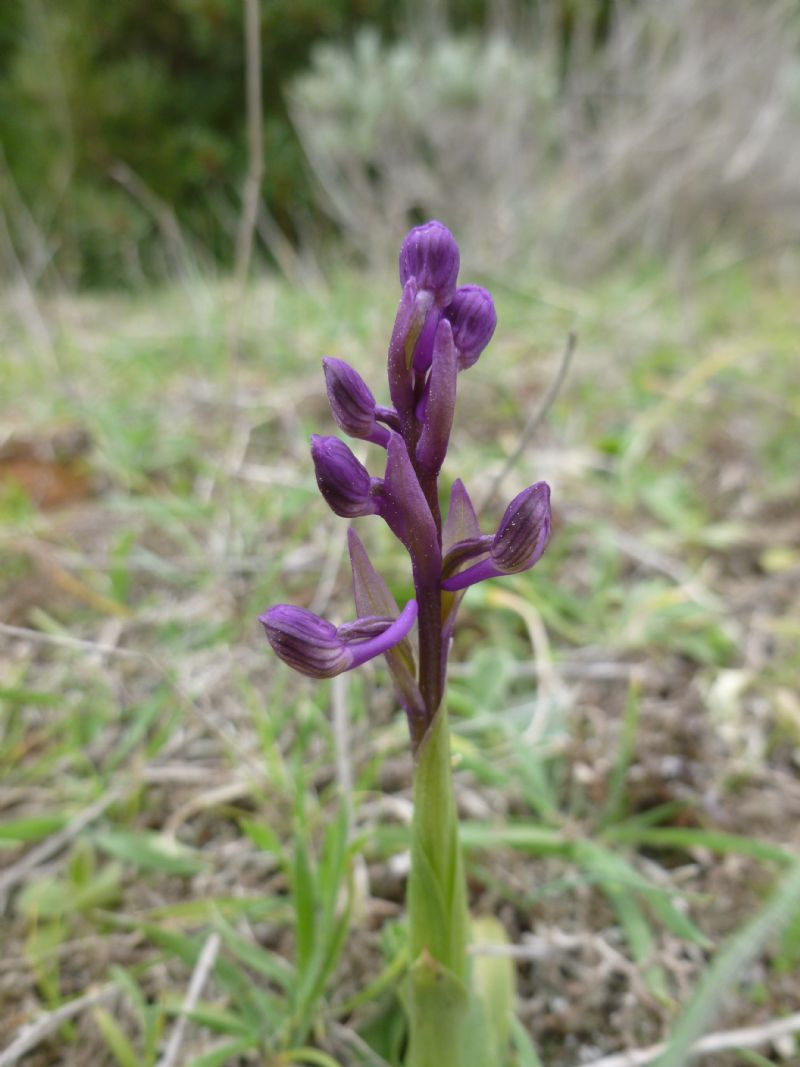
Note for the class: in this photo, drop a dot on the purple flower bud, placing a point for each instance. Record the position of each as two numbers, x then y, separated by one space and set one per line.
520 540
430 254
314 646
524 530
306 642
473 318
352 403
343 481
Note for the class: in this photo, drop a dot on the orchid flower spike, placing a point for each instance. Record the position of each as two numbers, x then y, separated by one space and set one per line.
440 329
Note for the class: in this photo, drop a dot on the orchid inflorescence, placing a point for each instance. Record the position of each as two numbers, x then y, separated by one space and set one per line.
440 330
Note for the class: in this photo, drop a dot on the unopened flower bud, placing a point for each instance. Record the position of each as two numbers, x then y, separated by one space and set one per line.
352 403
430 254
524 530
342 479
472 315
315 647
520 540
306 642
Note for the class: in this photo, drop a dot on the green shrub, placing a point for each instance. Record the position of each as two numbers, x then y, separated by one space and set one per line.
156 85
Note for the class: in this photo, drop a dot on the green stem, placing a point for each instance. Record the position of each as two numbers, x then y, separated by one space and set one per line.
437 908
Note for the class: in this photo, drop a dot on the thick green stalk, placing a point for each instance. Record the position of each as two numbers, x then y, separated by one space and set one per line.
437 908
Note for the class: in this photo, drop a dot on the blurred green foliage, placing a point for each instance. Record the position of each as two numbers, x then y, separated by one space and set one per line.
118 116
158 86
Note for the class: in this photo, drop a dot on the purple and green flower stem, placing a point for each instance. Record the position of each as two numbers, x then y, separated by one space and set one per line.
439 331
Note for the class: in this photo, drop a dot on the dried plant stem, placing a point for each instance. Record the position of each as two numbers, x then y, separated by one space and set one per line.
724 1041
203 967
536 418
255 141
34 1033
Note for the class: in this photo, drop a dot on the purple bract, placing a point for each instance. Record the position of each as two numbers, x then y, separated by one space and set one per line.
439 331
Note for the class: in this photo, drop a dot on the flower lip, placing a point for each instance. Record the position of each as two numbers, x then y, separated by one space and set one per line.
430 254
472 315
344 482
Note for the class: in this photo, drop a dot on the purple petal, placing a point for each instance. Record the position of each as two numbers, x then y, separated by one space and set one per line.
405 509
372 597
407 325
441 402
423 352
393 634
478 572
363 628
461 523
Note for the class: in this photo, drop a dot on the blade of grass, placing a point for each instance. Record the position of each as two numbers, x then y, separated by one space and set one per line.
615 803
729 965
671 837
527 1056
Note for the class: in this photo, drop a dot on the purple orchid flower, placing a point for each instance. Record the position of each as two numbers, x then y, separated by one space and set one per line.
439 331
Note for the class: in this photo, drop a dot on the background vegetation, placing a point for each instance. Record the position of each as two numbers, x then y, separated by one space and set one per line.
204 856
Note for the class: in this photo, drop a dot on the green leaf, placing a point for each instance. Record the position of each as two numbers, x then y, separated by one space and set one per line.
24 831
676 921
671 837
615 802
616 879
261 1011
223 1054
438 1007
525 836
304 895
527 1056
729 965
252 955
149 851
50 898
220 1021
263 836
491 998
313 1056
119 1045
